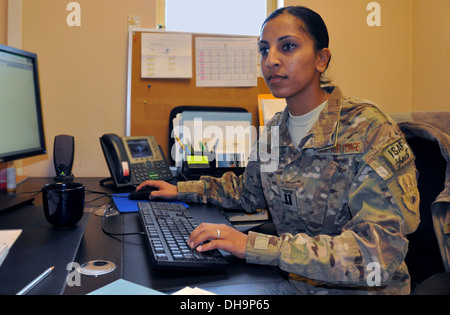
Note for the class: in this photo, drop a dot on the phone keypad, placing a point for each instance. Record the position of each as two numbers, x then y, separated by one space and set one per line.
157 170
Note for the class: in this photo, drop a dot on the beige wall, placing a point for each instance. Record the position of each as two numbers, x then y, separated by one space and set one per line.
369 62
3 21
402 65
431 58
83 74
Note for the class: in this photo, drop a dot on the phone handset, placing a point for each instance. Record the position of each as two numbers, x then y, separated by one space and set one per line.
117 158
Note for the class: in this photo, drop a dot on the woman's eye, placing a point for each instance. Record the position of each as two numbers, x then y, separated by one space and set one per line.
288 46
263 50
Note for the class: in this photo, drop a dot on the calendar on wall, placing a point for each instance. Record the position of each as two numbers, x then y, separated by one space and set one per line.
226 62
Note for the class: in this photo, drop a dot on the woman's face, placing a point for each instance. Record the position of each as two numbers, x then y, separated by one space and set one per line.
289 62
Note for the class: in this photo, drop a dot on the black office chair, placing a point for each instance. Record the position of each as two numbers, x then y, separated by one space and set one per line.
180 109
427 259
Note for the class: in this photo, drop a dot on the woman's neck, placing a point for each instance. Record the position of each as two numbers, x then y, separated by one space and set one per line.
305 102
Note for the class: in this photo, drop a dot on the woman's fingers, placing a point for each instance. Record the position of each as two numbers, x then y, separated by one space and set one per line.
218 236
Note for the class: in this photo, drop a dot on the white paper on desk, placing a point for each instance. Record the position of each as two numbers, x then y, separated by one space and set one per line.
226 62
124 287
7 240
193 291
166 55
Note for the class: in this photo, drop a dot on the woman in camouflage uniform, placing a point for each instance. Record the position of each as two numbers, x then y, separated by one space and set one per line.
335 173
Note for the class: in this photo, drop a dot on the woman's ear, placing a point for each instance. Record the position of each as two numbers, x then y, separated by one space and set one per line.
324 60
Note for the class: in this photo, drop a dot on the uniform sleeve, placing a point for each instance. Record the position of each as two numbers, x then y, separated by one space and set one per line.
229 191
383 201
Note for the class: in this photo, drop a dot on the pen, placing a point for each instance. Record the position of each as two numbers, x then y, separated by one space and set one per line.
187 150
179 141
35 281
215 145
182 145
189 147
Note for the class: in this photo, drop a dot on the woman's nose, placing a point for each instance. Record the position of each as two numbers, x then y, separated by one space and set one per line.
272 59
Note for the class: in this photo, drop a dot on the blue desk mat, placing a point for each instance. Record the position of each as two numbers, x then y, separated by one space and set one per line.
125 205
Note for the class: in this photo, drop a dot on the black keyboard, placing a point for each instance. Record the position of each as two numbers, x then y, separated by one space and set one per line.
167 227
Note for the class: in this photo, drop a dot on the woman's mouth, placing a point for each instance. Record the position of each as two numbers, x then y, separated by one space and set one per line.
273 79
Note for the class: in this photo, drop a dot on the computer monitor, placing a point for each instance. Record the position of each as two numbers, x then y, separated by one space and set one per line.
21 123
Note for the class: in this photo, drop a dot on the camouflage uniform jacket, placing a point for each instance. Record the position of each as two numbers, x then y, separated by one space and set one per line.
342 202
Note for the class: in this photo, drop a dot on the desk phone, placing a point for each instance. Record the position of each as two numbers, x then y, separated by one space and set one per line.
133 160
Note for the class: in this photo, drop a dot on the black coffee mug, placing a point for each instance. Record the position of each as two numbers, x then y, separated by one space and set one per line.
63 203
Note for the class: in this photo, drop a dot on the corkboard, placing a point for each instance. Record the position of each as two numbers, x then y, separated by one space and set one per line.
150 107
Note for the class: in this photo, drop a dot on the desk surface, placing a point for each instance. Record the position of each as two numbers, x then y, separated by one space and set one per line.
41 246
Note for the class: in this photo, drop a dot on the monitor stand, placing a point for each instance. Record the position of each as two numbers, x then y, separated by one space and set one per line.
11 202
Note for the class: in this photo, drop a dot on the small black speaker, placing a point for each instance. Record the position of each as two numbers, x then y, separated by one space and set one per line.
63 153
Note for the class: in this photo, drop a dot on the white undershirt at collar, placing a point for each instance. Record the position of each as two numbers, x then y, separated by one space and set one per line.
299 126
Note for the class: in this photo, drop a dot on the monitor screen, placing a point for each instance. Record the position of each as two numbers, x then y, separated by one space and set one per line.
21 125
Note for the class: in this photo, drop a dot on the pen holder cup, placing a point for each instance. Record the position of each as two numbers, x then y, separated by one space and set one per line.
63 204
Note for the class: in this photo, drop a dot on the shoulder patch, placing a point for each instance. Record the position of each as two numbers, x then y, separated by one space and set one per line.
398 154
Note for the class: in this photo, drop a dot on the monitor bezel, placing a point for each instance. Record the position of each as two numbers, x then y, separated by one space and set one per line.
17 155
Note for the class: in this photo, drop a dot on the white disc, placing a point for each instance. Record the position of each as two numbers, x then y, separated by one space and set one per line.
97 268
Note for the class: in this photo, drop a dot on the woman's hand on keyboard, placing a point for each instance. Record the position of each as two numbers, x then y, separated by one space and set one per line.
221 237
165 190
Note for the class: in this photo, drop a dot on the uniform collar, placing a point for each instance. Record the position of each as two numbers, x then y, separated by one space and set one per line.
324 132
